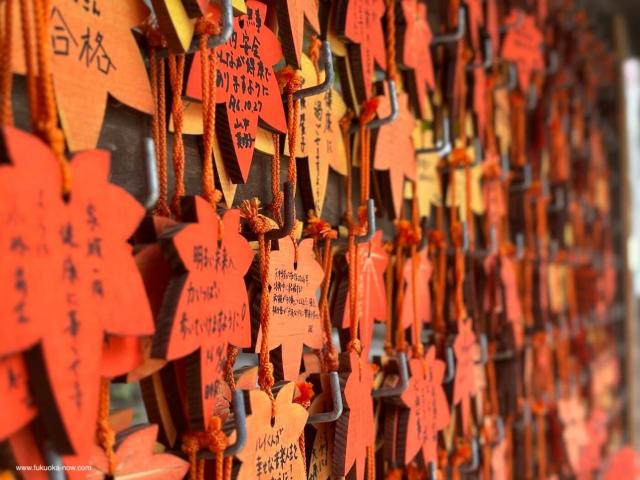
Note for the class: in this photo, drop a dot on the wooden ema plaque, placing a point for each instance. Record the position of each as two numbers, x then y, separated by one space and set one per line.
16 403
359 23
94 52
69 278
597 437
423 412
476 20
247 89
426 174
522 46
414 54
355 429
273 444
464 386
295 317
394 156
423 297
136 458
205 305
572 413
372 292
175 23
319 141
291 21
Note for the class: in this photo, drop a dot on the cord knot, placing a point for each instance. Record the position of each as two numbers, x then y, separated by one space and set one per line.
151 31
318 228
289 80
207 26
250 211
407 235
369 110
305 394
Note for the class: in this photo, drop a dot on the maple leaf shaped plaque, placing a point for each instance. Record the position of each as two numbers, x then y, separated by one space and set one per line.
69 278
423 278
16 404
415 54
464 386
205 306
394 156
247 89
295 317
355 429
521 46
319 139
135 458
427 409
372 291
572 413
273 448
94 53
476 20
291 16
359 23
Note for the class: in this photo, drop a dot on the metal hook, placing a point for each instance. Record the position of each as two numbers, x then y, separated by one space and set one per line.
329 75
453 36
484 350
433 471
500 431
487 60
403 370
451 366
526 180
512 79
289 218
558 201
226 14
517 24
443 144
473 465
371 223
554 63
153 191
519 246
336 399
465 236
393 100
240 419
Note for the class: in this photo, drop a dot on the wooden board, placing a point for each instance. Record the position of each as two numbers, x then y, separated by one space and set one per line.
291 21
423 297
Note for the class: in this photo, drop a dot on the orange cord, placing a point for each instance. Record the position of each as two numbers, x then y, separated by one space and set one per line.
106 435
392 68
205 28
314 54
6 75
212 439
176 77
418 349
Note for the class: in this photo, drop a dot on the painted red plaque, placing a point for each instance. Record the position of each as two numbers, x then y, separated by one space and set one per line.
359 22
428 409
355 429
135 458
205 306
294 282
69 278
522 46
372 291
464 386
273 444
94 52
625 463
291 16
480 101
247 89
572 413
16 404
512 298
394 153
423 297
476 20
415 53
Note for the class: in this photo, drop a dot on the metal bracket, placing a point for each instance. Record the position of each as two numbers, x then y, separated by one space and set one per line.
453 36
512 79
450 374
473 465
329 76
336 399
396 391
443 144
289 218
487 60
240 417
484 350
153 191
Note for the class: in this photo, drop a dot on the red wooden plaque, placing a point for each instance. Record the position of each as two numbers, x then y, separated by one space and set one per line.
294 280
69 278
464 386
572 413
355 429
16 404
359 22
476 20
415 54
522 45
423 297
291 16
205 306
247 88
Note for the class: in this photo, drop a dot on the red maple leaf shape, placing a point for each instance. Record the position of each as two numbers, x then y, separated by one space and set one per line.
427 405
16 404
480 100
205 306
135 458
624 464
522 46
247 88
372 291
476 20
416 51
512 298
423 298
393 149
464 386
80 246
363 29
355 429
291 15
295 318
